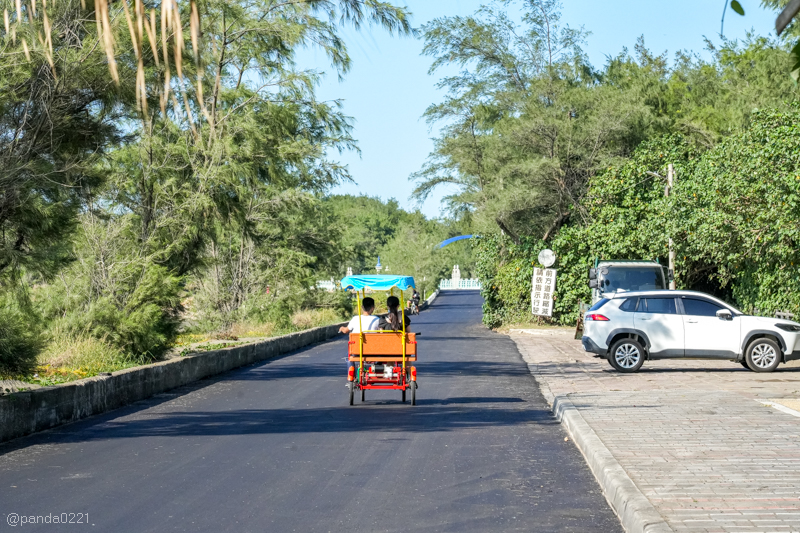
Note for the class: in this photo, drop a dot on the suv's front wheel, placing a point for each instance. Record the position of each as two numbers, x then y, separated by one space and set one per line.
763 355
626 355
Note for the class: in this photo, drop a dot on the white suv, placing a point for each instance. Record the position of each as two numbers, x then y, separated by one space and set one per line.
629 327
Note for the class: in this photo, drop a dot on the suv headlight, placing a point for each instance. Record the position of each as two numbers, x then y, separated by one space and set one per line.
788 327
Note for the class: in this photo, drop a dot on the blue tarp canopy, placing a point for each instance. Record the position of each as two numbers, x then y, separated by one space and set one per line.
378 283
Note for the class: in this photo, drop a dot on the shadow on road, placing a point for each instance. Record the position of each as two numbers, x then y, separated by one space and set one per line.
278 369
426 417
467 400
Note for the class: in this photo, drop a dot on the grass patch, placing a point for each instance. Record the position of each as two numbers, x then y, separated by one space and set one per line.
68 358
209 347
313 318
534 323
253 329
71 357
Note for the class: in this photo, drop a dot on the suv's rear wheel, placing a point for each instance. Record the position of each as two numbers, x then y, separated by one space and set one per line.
626 355
763 355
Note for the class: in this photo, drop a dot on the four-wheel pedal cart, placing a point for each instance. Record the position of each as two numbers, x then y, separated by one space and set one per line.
383 358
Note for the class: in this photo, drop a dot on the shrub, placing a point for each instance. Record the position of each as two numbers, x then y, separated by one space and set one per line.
85 354
20 341
112 293
733 215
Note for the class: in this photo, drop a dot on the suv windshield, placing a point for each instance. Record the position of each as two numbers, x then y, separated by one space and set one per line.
644 278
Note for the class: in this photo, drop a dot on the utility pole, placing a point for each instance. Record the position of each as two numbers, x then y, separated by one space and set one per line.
670 180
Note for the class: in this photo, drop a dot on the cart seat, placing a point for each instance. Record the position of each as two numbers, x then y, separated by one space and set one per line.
383 347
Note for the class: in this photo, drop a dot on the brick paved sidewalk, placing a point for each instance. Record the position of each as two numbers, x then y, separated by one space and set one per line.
692 435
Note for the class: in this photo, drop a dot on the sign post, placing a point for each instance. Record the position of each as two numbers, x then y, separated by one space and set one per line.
542 288
543 285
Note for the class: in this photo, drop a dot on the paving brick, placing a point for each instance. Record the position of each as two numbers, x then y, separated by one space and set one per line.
691 434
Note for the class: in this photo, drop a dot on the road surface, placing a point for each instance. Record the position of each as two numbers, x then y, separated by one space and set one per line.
276 447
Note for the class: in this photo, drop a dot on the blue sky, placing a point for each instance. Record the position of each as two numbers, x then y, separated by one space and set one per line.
388 88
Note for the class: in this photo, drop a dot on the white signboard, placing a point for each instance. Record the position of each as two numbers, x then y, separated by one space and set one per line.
543 285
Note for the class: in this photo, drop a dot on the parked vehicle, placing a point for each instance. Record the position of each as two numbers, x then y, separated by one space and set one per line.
616 276
631 327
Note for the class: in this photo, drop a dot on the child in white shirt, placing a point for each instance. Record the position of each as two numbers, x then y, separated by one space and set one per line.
366 320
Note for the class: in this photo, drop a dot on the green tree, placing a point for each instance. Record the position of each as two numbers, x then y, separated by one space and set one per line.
221 183
364 226
526 125
59 113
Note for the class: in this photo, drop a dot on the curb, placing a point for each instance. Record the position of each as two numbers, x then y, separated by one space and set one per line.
429 301
23 413
634 510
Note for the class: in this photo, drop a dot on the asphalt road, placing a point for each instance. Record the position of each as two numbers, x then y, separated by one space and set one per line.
276 447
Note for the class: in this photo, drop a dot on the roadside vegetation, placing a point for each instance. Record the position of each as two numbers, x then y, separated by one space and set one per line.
548 151
187 205
184 202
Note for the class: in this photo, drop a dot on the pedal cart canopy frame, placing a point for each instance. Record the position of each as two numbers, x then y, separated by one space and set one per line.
365 381
378 282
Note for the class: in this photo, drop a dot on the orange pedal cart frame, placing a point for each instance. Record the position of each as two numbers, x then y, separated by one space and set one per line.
383 348
382 356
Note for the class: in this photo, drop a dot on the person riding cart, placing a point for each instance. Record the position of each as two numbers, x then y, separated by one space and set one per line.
381 358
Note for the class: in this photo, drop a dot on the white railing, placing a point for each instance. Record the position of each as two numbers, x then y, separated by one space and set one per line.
327 285
447 284
470 284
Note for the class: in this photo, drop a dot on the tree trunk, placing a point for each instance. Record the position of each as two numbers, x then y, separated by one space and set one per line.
514 237
557 223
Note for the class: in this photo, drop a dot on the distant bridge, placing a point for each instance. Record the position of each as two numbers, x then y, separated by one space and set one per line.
473 284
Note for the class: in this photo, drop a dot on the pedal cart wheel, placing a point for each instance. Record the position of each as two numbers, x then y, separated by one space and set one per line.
382 358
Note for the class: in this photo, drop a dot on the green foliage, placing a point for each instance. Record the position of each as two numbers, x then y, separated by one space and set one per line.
212 194
733 214
20 338
112 292
505 268
413 252
364 226
555 153
55 123
740 213
527 125
68 357
525 131
405 241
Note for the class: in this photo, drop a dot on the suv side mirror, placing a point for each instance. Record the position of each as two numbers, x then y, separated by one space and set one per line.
724 314
594 284
670 275
592 273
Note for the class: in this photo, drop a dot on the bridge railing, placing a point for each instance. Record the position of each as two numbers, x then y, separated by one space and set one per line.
327 285
465 284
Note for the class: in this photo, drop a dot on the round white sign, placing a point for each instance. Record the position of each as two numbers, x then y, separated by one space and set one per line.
547 257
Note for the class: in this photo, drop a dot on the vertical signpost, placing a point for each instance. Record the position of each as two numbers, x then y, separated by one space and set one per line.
543 285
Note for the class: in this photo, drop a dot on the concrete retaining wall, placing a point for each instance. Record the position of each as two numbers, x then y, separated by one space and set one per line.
427 303
22 413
